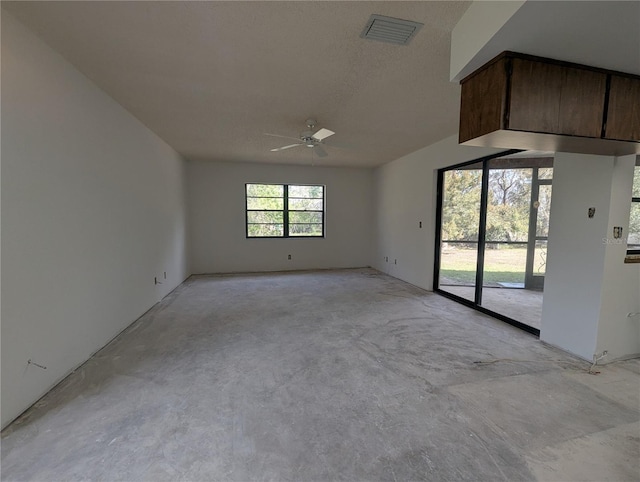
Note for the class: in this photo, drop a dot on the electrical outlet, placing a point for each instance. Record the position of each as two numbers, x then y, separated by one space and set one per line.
395 261
420 224
289 257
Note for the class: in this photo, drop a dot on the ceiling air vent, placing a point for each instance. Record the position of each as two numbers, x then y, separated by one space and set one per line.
391 30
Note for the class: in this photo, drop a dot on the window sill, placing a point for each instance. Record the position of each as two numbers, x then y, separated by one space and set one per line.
632 258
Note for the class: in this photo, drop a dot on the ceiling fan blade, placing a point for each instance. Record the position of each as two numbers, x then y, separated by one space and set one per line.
322 134
285 147
320 152
284 137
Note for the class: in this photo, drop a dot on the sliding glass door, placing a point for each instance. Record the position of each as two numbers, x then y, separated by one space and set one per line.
493 219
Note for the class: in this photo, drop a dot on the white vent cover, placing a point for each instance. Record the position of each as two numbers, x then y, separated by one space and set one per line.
391 30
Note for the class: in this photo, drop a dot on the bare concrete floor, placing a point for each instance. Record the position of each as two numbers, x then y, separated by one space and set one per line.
331 375
519 304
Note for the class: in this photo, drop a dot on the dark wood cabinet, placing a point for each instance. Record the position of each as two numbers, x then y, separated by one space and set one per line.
555 99
524 102
623 111
486 116
536 91
582 99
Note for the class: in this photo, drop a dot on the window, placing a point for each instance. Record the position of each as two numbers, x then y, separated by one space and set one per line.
284 211
633 240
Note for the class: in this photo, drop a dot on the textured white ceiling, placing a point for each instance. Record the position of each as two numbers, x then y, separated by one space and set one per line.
211 77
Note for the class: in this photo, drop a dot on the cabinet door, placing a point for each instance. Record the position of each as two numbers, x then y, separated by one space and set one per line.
482 102
556 99
535 96
582 102
623 114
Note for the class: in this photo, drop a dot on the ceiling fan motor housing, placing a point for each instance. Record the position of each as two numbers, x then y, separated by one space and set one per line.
308 139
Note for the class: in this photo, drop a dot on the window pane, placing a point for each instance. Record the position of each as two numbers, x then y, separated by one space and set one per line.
305 204
265 190
540 259
265 217
545 173
544 210
305 217
460 224
633 240
458 269
265 230
636 182
269 203
504 266
509 204
305 230
461 204
306 191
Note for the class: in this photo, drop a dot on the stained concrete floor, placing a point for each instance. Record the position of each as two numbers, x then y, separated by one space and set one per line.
330 375
521 305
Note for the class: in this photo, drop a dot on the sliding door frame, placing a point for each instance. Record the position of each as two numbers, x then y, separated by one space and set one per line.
479 280
531 280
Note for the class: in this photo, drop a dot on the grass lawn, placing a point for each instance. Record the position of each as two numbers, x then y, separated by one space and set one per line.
506 265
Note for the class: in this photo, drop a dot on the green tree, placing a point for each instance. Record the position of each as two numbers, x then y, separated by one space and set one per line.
508 204
461 205
507 223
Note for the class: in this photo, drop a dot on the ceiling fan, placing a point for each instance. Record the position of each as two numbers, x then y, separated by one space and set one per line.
310 138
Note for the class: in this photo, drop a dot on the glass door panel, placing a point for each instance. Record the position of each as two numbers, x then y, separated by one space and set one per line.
504 266
507 234
461 189
494 217
507 225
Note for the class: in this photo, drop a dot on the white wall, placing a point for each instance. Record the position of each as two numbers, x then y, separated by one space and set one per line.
405 195
92 209
475 29
588 288
575 259
618 333
218 243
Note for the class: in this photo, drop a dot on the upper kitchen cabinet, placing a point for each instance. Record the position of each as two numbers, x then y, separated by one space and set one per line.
525 102
623 110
